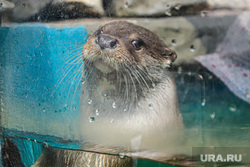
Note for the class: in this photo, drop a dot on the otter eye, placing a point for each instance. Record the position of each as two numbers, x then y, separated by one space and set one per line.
137 44
99 32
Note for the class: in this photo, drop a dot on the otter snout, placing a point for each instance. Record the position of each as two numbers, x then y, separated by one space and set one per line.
106 42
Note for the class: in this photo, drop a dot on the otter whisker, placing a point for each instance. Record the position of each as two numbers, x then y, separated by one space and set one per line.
76 73
140 71
126 87
135 75
132 83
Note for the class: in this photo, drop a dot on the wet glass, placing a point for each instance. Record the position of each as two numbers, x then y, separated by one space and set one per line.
44 97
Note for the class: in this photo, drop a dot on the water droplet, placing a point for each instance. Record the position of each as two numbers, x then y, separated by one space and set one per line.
121 155
200 76
74 108
179 70
173 42
153 87
112 121
44 109
150 106
89 101
233 108
247 95
212 115
113 105
168 12
210 77
97 112
83 81
126 4
203 13
46 144
177 7
203 102
91 119
192 49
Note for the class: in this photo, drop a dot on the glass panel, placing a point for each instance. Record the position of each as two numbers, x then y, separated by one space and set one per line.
73 93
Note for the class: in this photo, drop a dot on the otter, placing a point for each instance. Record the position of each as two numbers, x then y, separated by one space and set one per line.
129 100
129 89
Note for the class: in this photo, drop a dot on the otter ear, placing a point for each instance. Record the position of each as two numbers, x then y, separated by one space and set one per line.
169 56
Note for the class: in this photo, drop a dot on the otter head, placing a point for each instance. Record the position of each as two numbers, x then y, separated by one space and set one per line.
120 43
134 54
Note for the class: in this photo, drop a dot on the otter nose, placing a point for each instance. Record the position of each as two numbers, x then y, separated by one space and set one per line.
106 42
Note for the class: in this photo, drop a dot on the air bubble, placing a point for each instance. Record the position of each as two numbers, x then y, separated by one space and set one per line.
150 106
89 101
192 49
121 155
91 119
113 105
173 42
97 112
233 108
212 115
